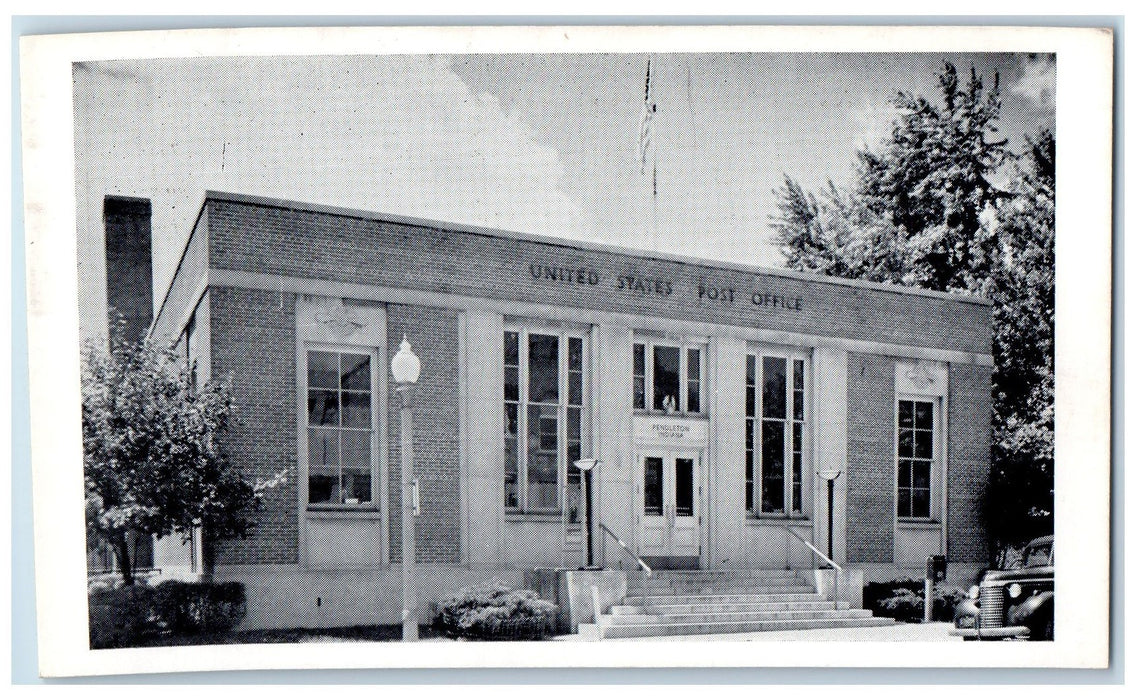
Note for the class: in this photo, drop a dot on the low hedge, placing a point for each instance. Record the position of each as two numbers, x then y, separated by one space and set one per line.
194 607
903 600
122 616
494 611
126 616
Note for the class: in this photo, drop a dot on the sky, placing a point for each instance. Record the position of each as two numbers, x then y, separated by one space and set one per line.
543 144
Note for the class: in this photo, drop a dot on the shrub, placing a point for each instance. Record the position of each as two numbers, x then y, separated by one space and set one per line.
903 600
494 611
199 606
121 616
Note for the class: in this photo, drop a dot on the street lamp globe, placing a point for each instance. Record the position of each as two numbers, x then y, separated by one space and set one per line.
829 474
405 365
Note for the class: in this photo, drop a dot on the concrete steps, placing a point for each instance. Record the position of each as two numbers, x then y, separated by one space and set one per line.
797 594
639 575
761 606
639 578
674 629
731 588
739 616
671 603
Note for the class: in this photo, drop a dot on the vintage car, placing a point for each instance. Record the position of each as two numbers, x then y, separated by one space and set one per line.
1013 603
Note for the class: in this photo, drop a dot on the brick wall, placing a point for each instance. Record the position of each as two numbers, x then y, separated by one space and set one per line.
871 445
871 470
254 344
433 333
253 340
968 457
302 243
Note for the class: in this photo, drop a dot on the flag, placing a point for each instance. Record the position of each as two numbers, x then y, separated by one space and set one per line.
645 124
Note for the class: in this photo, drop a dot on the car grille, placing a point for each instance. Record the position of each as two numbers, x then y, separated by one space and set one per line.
991 600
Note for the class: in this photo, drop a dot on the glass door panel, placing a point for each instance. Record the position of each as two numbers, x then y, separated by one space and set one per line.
653 486
654 525
685 533
684 486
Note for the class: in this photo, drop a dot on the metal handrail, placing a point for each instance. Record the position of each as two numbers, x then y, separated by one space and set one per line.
627 549
837 569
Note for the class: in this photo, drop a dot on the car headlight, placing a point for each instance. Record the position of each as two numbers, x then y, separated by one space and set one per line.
973 592
1015 590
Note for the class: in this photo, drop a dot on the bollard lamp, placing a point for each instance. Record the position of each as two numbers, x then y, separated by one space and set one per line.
586 466
829 475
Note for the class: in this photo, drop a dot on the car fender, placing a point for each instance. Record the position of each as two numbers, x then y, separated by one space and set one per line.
1030 607
967 608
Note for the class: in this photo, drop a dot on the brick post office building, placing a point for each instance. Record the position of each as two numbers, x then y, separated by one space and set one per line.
713 394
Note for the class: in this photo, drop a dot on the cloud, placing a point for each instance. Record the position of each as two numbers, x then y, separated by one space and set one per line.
872 124
1038 81
395 134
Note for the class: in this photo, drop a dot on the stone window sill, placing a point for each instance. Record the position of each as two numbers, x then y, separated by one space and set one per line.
518 517
919 524
796 520
343 514
673 414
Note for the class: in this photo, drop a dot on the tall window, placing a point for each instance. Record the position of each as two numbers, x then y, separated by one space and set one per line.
915 452
667 377
341 428
545 416
775 432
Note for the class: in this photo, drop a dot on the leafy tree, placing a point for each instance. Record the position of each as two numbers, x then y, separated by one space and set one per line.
1021 492
932 182
835 234
914 216
925 211
151 451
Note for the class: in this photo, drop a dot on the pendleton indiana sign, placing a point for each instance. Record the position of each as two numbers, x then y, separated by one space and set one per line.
672 431
646 286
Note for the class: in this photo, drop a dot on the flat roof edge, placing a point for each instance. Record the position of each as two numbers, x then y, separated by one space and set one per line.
586 245
177 268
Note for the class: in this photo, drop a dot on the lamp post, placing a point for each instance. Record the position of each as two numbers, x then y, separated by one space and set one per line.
829 475
585 466
405 368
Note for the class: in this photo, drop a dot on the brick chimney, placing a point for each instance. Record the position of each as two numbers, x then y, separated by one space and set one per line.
130 283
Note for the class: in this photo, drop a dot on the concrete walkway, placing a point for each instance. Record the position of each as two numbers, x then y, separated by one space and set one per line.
900 632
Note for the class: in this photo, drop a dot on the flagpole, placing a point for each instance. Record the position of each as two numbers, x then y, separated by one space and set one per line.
655 202
648 151
654 164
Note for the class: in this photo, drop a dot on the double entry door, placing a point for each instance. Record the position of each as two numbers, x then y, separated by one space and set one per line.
670 503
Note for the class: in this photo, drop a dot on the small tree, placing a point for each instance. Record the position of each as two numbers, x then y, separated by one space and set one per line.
151 451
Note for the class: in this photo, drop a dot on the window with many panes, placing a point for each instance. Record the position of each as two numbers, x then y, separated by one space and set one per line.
775 432
667 376
915 457
545 417
341 428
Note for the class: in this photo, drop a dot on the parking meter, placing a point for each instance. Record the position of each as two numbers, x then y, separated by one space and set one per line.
936 572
